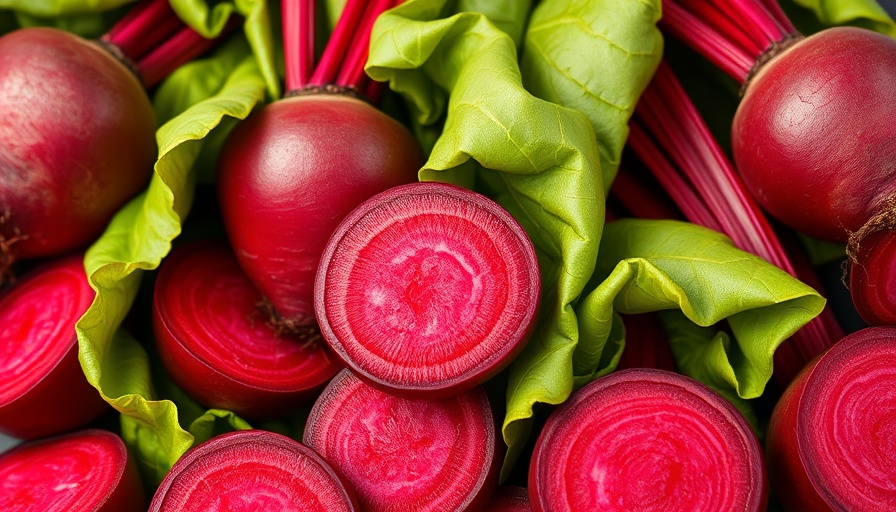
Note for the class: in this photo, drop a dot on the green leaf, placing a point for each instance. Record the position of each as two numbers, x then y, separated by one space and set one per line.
862 13
537 159
90 25
508 15
138 237
54 8
8 22
596 57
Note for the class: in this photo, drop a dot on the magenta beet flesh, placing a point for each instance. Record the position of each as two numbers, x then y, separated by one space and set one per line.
647 440
77 140
219 348
814 137
85 470
405 454
249 471
291 172
43 390
427 289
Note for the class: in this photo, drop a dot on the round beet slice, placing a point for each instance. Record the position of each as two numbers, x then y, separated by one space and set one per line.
427 289
406 454
85 470
509 498
219 348
43 390
252 470
646 439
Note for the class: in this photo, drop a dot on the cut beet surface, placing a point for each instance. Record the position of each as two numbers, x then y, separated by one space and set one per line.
427 289
509 498
86 470
406 454
218 346
647 440
43 390
249 471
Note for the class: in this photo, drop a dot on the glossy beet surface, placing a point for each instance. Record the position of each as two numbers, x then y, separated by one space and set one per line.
402 454
428 289
291 172
43 390
249 471
77 140
872 278
814 137
647 440
85 470
219 348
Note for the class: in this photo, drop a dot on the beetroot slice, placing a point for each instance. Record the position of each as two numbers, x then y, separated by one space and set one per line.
646 439
428 289
406 454
252 470
509 498
846 422
43 390
219 348
86 470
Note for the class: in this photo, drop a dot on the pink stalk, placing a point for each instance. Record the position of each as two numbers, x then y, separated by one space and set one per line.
334 53
775 10
643 202
186 45
352 72
374 91
144 28
298 42
713 17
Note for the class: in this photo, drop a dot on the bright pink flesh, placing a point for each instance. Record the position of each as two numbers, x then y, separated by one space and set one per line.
85 470
43 390
846 422
508 498
404 454
250 471
77 140
220 349
814 137
291 172
647 440
872 278
427 289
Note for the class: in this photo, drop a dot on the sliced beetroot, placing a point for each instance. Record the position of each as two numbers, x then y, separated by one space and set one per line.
85 470
252 470
509 498
834 428
427 289
647 440
219 348
406 454
43 390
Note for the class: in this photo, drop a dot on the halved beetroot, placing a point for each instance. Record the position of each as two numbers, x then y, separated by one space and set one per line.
427 289
509 498
406 454
85 470
252 470
647 440
831 436
43 390
219 348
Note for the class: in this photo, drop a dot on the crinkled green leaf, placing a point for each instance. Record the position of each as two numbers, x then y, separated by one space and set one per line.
54 8
90 25
863 13
596 57
508 15
647 265
138 237
537 159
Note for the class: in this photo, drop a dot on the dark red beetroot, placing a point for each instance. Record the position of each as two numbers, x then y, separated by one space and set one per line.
43 390
427 289
86 470
402 454
647 440
252 470
219 349
872 277
509 498
830 440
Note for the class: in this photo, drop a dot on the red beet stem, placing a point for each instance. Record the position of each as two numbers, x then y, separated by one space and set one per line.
144 28
667 115
352 73
298 42
642 201
711 14
186 45
334 53
646 344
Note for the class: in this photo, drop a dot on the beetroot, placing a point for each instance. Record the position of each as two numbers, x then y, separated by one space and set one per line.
43 390
647 440
252 470
217 347
509 499
872 278
830 436
402 454
427 289
85 470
